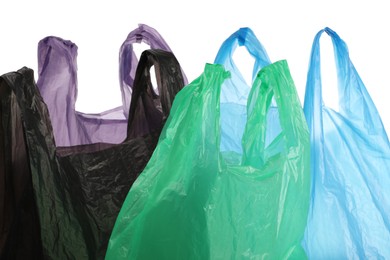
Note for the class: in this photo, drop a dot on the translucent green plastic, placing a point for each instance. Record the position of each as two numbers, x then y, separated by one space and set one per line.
193 201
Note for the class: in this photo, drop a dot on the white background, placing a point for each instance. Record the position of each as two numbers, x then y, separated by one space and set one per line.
195 30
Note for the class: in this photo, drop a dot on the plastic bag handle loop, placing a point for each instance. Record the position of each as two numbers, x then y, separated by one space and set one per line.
169 80
272 82
313 95
55 46
243 37
127 59
314 83
354 100
313 102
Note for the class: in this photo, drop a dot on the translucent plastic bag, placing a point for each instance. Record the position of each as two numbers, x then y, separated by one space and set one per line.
235 91
194 201
349 217
79 190
57 82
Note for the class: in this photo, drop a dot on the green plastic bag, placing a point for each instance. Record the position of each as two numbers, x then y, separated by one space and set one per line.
193 201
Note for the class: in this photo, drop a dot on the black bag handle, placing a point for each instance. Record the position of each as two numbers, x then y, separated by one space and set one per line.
127 58
149 110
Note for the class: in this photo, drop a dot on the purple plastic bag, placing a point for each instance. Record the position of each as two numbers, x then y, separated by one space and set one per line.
57 83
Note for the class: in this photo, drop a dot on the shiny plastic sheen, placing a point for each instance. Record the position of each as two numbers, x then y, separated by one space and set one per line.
194 201
349 215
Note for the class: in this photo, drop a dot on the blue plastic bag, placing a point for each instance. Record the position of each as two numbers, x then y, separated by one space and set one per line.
349 216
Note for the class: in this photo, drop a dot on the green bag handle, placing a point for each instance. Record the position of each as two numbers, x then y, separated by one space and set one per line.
272 82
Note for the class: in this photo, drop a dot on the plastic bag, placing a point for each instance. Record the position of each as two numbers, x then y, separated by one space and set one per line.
349 217
235 91
79 190
193 201
19 223
57 82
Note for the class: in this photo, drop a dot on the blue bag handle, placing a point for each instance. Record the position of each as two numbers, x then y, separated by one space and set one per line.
354 101
235 90
242 37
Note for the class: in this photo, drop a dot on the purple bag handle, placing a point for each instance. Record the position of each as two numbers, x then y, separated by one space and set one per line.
127 59
67 51
57 83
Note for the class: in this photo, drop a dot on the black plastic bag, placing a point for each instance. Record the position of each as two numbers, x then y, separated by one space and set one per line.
19 223
79 190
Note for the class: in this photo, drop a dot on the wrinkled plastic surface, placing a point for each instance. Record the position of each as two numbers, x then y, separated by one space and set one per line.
80 189
349 217
19 224
235 90
57 82
193 201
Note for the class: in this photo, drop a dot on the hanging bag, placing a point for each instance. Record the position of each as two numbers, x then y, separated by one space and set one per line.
349 215
194 201
57 82
79 190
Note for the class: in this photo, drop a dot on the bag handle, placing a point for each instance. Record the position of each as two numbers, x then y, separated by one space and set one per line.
242 37
355 104
273 82
128 60
149 110
51 52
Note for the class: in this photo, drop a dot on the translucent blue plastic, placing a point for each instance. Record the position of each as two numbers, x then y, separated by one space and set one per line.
235 91
349 216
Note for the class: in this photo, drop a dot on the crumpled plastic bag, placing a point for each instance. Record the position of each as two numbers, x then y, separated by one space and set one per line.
195 201
79 190
349 215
